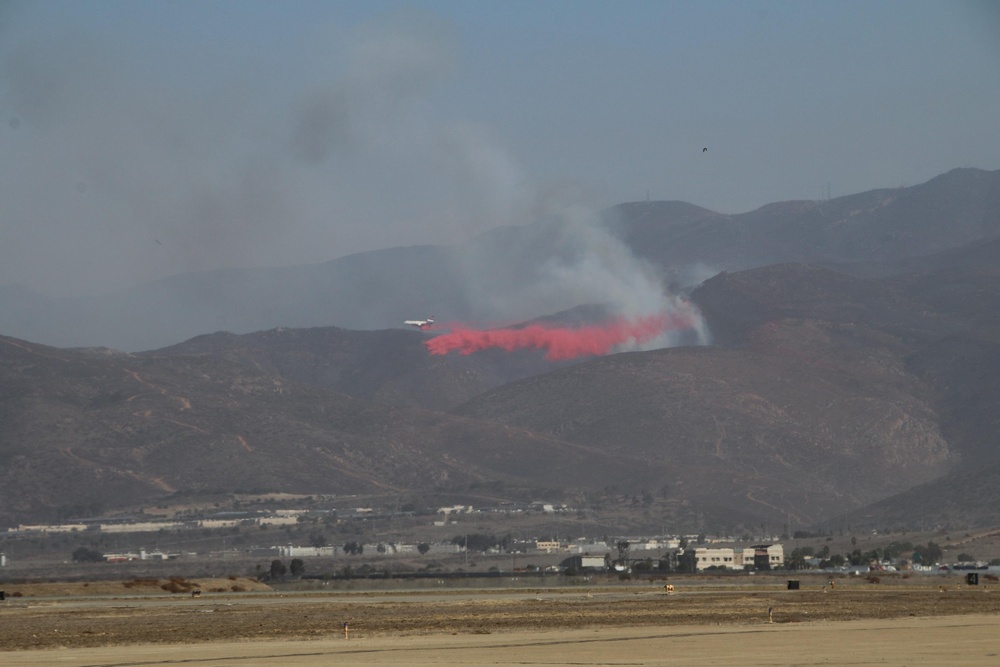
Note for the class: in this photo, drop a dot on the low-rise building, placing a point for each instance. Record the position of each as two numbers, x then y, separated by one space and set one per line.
756 557
455 509
703 558
292 551
584 563
768 556
52 528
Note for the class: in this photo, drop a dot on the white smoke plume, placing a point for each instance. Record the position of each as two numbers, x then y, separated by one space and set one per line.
113 173
124 161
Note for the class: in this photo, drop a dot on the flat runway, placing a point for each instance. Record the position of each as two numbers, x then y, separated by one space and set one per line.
917 621
940 641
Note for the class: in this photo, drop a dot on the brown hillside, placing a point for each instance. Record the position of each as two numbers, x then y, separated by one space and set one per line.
807 421
87 431
390 366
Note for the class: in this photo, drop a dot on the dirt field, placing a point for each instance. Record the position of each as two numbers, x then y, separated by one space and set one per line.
939 621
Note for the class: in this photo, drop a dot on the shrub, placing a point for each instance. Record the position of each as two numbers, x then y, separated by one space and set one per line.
179 585
87 555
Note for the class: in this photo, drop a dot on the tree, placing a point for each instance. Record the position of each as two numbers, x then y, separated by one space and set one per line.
476 541
623 551
317 539
87 555
965 558
423 548
928 554
856 557
796 560
277 569
296 568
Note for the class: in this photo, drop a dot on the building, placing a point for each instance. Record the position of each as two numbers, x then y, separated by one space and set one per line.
768 556
756 557
313 552
583 563
702 558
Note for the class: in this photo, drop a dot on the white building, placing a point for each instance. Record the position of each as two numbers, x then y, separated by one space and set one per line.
757 557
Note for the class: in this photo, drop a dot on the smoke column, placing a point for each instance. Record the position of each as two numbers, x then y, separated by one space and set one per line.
562 343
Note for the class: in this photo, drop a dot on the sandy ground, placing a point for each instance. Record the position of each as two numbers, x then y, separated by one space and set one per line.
942 642
916 623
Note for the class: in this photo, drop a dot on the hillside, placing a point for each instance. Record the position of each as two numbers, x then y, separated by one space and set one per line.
734 435
83 432
780 429
966 499
390 367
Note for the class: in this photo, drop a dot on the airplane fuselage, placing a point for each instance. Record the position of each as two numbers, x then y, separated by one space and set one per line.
420 324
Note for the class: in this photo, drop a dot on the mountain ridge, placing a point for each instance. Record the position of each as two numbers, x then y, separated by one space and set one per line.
379 289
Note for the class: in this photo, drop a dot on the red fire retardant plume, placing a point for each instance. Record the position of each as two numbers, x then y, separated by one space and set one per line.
560 342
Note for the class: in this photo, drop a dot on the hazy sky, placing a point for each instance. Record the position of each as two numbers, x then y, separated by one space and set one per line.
145 139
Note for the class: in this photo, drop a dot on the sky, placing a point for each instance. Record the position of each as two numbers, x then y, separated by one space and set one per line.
146 139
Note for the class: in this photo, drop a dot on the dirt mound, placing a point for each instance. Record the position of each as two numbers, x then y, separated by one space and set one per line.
143 587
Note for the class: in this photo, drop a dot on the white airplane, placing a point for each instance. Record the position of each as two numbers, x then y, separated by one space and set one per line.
420 324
